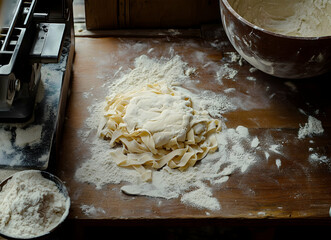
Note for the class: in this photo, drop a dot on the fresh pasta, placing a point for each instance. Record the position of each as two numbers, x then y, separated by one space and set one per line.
157 126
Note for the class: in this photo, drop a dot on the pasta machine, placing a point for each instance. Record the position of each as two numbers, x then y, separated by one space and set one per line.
36 55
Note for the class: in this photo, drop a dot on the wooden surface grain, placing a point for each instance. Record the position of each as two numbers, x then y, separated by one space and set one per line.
137 14
274 109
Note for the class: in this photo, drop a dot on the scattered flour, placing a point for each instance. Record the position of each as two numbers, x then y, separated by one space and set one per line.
278 163
234 56
275 148
267 155
215 169
311 128
28 136
100 169
5 143
261 213
250 78
229 90
316 158
30 205
200 198
169 183
225 71
255 143
236 148
149 71
215 104
91 210
242 131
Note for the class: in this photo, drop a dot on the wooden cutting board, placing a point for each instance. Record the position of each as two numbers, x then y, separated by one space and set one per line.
297 189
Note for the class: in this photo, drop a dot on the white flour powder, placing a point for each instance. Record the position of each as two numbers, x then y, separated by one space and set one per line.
5 143
316 158
28 136
30 205
170 183
148 71
306 18
201 198
312 127
237 150
91 210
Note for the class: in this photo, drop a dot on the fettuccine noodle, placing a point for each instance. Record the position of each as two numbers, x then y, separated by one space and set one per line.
157 126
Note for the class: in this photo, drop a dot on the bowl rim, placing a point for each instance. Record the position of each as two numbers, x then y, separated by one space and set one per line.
63 190
243 20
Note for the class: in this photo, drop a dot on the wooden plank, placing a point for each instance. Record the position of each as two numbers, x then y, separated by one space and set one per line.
172 13
123 14
101 14
113 14
296 191
81 31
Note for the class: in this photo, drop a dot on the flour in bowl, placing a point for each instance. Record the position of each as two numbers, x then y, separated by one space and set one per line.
304 18
30 205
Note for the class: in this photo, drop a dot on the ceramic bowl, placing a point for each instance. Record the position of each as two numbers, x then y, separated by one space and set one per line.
62 188
276 54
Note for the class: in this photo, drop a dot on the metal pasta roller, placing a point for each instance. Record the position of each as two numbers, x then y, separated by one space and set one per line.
32 33
37 48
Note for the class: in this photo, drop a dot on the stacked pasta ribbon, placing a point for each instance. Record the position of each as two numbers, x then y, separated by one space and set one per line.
157 126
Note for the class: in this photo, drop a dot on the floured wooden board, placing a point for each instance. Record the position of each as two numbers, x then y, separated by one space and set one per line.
283 165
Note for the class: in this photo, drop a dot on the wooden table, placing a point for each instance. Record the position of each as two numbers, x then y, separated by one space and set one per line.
297 191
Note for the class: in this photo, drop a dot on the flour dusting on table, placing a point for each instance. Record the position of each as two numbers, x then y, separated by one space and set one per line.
237 149
311 128
91 210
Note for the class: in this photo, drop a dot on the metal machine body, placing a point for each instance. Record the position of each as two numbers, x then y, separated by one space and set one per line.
32 33
37 48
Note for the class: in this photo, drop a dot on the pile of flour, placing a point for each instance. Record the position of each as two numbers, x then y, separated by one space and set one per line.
236 148
311 128
30 205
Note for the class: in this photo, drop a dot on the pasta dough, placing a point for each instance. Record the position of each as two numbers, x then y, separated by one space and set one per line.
157 126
